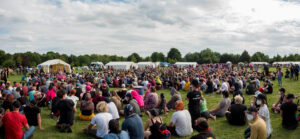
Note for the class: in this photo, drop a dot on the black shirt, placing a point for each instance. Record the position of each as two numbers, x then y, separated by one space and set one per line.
288 114
194 102
238 114
31 115
7 105
78 92
65 108
204 135
23 100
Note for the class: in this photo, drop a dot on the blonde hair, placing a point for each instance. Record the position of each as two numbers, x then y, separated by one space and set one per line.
238 99
102 107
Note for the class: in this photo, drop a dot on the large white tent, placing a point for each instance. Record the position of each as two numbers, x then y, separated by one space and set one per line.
259 63
54 65
120 65
286 63
146 64
96 65
186 64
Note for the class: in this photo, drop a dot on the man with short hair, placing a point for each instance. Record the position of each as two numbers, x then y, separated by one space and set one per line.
14 122
258 128
194 101
67 110
288 112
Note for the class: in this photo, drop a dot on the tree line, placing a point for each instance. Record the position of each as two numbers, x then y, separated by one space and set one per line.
30 59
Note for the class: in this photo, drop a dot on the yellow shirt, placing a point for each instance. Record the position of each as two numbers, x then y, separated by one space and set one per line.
258 129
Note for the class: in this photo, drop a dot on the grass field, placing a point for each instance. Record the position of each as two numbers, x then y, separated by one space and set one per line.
220 127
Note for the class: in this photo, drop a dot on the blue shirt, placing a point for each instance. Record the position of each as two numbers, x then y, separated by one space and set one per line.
31 95
134 125
122 135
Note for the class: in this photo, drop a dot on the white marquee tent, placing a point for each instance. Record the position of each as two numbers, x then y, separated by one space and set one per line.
146 64
54 65
185 64
286 63
120 65
259 63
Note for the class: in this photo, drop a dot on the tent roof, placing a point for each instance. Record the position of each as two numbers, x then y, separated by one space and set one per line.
54 61
145 63
186 63
119 63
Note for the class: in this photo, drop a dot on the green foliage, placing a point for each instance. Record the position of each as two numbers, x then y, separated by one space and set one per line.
174 55
134 57
245 57
157 57
260 57
8 63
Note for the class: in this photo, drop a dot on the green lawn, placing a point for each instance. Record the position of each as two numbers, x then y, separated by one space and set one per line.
220 127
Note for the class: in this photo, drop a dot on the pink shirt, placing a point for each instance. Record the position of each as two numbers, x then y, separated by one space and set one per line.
138 98
50 95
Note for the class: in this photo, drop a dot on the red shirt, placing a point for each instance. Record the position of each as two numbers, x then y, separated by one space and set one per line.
13 124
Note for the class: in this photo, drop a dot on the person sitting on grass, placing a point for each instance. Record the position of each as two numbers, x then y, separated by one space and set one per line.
264 112
133 123
33 115
115 132
258 128
87 108
117 100
288 112
236 113
153 123
203 129
73 97
181 123
129 100
223 106
14 122
101 120
151 100
67 110
112 108
203 109
280 101
175 97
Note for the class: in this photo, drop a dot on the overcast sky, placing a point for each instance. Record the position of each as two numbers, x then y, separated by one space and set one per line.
144 26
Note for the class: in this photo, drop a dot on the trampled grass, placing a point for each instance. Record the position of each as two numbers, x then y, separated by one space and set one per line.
220 127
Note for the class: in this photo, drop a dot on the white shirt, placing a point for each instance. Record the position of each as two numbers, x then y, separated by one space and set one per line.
112 109
182 84
101 120
183 123
74 99
224 86
264 112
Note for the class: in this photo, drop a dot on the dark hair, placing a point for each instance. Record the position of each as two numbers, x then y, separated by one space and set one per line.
50 86
162 96
16 104
282 90
60 93
225 94
21 93
114 126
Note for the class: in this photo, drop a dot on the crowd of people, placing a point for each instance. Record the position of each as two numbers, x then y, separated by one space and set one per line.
137 97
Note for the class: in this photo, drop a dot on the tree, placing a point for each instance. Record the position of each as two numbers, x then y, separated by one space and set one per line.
134 57
8 63
245 57
192 57
208 56
174 54
157 57
259 57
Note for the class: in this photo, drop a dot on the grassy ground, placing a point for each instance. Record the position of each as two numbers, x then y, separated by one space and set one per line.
220 127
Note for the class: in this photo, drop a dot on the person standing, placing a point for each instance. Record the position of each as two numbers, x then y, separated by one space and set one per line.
279 76
194 101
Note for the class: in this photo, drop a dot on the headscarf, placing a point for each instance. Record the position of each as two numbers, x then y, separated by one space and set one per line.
128 111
